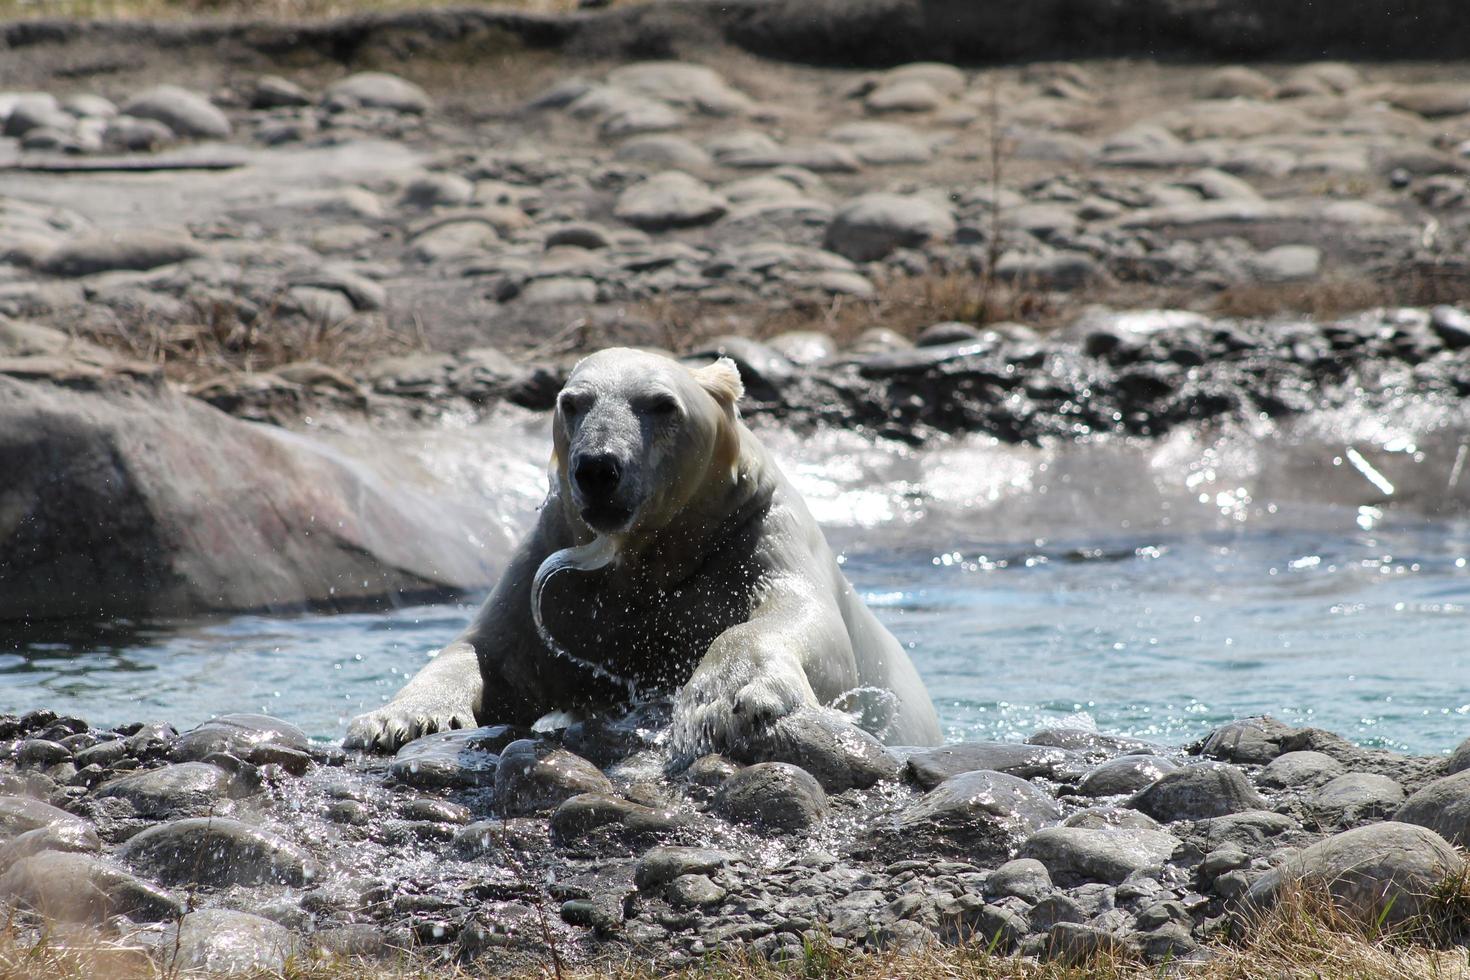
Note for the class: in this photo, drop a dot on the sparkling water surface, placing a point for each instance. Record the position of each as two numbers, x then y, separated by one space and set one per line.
1153 590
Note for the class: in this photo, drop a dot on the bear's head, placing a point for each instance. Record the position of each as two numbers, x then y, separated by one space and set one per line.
639 438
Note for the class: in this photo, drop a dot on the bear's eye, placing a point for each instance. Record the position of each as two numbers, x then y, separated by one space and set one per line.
662 405
569 405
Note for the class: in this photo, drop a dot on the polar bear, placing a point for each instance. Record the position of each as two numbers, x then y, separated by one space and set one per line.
670 555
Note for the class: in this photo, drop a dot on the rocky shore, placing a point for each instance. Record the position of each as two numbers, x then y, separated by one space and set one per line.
237 844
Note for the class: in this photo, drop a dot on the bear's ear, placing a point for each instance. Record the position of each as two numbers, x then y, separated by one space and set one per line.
722 380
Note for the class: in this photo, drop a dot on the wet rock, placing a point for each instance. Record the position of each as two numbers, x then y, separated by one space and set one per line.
772 795
1076 856
825 744
1255 741
183 789
534 776
377 90
948 332
662 865
931 767
1055 270
671 199
983 816
19 814
105 252
259 739
1443 806
1354 797
438 190
1452 326
1287 263
75 887
38 753
79 836
217 851
1125 774
1024 878
135 135
873 225
1090 743
501 838
1384 873
695 891
186 113
224 942
1306 768
275 92
1459 760
454 760
1110 817
355 941
597 817
1196 792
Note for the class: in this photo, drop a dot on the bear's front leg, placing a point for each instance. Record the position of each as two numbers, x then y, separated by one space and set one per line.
444 695
756 674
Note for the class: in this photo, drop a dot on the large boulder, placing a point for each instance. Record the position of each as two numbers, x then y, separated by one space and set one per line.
1197 793
871 226
1385 872
218 851
78 887
1443 806
126 498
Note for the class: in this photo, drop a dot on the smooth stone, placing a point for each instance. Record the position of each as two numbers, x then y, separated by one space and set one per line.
79 837
458 759
77 887
1236 82
673 152
559 290
38 753
1432 100
683 84
1384 873
1452 326
19 814
1459 760
871 226
1254 741
1025 878
224 942
109 251
631 823
1304 768
533 776
181 789
378 90
1196 792
982 816
34 115
218 851
186 113
1443 806
1074 855
135 135
671 199
354 941
948 332
933 766
275 92
258 739
1356 796
826 744
802 347
1249 829
695 891
1286 263
1090 743
1109 818
661 865
1125 774
1078 943
903 95
437 190
1054 270
772 795
451 239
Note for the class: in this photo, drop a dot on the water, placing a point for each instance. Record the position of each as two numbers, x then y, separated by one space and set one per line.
1155 589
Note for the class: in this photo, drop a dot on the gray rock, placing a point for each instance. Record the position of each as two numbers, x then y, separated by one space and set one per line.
931 767
682 84
275 92
1306 768
1384 873
454 760
772 795
224 942
948 332
1236 82
1024 878
1255 741
377 90
185 113
535 776
80 837
1125 774
1076 943
825 744
1110 817
673 152
1250 829
217 851
1286 263
1432 100
671 199
435 190
983 816
135 135
77 887
873 225
38 753
259 739
185 789
695 891
1443 806
1459 760
106 252
1054 270
1090 743
1452 326
19 814
1354 797
36 114
662 865
1077 856
453 239
602 817
355 941
903 95
1196 792
559 290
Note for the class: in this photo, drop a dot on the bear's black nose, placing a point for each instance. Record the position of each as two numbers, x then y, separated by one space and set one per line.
597 475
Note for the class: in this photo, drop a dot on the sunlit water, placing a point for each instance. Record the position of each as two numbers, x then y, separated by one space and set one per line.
1151 589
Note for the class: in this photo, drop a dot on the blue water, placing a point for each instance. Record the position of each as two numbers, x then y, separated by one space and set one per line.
1157 634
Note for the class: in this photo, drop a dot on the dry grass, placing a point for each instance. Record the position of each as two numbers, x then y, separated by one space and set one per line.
244 9
1305 937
